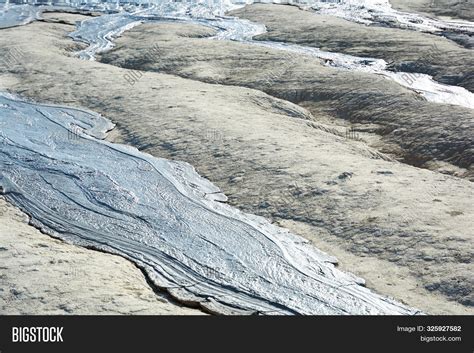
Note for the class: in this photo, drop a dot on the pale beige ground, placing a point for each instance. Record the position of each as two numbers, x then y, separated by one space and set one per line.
462 9
407 230
405 50
42 275
394 119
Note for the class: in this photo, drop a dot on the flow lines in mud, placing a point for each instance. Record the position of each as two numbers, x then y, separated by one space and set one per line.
12 57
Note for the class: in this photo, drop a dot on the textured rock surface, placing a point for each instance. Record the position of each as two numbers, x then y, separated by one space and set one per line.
406 50
405 229
451 8
434 136
44 276
165 218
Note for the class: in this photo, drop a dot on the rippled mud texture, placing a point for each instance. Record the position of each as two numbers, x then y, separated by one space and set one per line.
405 50
11 16
446 9
382 14
163 216
450 8
100 32
45 276
406 230
376 104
